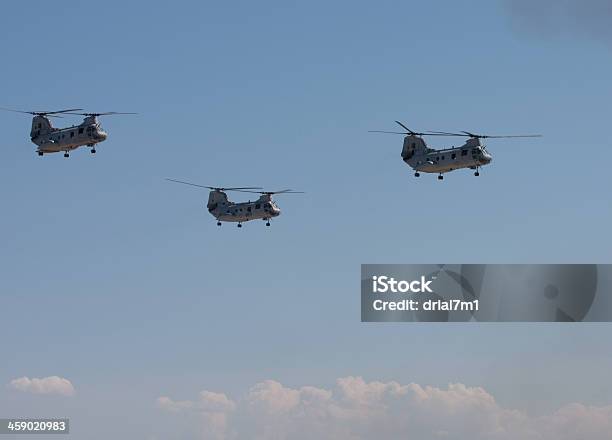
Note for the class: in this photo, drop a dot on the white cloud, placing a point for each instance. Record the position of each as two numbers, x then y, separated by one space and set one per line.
213 408
355 409
208 402
45 385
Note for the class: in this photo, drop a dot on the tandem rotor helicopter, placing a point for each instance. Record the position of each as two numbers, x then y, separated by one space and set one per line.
472 154
53 140
224 210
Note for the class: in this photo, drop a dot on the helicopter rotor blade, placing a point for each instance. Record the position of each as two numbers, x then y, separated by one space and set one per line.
284 191
16 111
410 132
404 127
104 113
437 133
432 133
388 132
67 111
484 136
447 133
238 189
187 183
215 188
516 136
63 111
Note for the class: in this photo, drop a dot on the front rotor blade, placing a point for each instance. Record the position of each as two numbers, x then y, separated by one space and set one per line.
214 187
404 127
62 111
16 111
241 188
41 113
388 132
445 133
440 133
103 113
189 183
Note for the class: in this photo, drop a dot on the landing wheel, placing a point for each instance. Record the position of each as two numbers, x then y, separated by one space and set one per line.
240 225
66 154
218 223
93 151
476 173
267 223
440 177
40 153
417 174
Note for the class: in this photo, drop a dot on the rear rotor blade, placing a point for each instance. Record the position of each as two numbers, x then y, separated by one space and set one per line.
284 191
515 136
485 136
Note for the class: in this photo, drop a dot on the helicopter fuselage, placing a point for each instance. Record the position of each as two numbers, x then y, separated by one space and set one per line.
53 140
449 159
264 208
473 154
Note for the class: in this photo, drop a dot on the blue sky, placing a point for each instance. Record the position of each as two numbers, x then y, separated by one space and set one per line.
121 282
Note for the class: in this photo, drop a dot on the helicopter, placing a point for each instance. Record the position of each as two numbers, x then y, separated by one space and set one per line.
472 154
224 210
53 140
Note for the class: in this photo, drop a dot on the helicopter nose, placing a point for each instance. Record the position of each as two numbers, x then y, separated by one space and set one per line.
487 158
276 212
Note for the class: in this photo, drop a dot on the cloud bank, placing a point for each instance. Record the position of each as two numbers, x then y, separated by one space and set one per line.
355 409
46 385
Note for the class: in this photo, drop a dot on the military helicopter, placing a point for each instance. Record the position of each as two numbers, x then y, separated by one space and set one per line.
472 154
53 140
224 210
